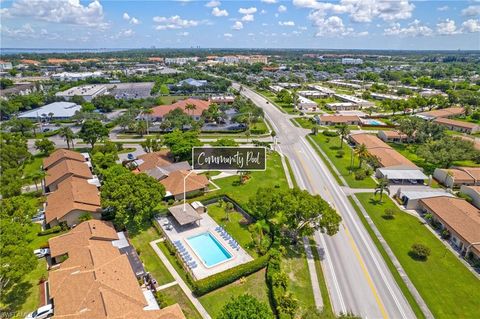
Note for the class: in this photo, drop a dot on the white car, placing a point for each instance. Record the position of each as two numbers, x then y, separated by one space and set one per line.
41 313
42 252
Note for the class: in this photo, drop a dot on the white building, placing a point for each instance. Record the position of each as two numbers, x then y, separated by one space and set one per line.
75 76
345 84
351 61
322 89
275 88
305 104
312 94
88 92
5 66
354 99
381 96
181 60
55 111
342 106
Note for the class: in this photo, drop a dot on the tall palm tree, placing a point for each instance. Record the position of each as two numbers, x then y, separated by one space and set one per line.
315 129
36 177
343 131
381 187
67 134
361 152
147 113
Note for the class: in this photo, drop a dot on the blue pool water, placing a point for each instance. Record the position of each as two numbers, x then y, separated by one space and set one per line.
207 247
373 122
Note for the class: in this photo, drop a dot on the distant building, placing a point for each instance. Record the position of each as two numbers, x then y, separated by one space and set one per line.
322 89
181 60
353 99
459 126
305 104
342 106
351 61
381 96
338 119
222 99
391 136
55 111
193 82
88 92
159 112
75 76
444 113
5 66
312 94
457 176
473 192
20 89
346 84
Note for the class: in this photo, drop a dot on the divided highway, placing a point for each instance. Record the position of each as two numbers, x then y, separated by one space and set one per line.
357 277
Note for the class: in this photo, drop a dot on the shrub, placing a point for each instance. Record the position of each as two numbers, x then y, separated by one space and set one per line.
445 234
360 174
204 286
171 201
340 154
53 230
420 251
389 213
330 133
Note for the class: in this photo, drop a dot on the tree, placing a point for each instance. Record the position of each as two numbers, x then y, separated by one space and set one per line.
141 128
178 119
105 103
68 135
20 125
314 129
444 152
408 126
92 131
389 213
181 143
245 306
36 177
130 199
45 146
382 187
190 107
361 151
84 217
77 99
14 151
151 144
228 209
343 131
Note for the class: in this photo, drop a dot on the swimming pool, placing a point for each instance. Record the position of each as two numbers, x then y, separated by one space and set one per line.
208 249
373 122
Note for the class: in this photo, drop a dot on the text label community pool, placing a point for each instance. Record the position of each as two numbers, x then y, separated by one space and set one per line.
229 158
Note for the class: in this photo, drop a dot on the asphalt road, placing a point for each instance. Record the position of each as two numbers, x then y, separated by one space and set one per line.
357 277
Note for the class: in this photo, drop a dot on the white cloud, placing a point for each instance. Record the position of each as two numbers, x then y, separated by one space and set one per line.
330 27
269 1
250 10
362 10
263 11
447 27
59 11
174 22
228 35
413 29
286 23
237 25
124 34
219 13
471 26
471 11
212 4
282 8
248 18
131 20
251 34
302 28
443 8
183 34
264 24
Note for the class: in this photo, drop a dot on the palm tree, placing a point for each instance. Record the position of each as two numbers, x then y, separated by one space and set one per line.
343 131
228 209
147 113
36 177
141 128
315 130
67 134
247 134
362 153
381 187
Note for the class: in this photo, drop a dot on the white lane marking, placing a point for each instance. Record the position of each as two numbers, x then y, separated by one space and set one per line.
368 246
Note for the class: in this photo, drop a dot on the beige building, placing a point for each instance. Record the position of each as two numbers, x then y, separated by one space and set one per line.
473 192
459 218
459 126
457 176
338 119
391 136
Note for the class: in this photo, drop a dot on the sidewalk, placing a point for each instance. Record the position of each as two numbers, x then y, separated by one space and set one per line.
179 280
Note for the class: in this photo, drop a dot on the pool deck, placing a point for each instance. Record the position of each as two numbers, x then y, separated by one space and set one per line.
206 224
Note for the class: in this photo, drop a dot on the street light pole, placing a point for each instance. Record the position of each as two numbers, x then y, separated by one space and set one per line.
185 191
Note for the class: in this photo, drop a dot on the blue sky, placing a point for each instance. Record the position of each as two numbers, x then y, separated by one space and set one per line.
342 24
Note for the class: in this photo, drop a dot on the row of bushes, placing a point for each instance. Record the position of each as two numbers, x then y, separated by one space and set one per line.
206 285
53 230
284 305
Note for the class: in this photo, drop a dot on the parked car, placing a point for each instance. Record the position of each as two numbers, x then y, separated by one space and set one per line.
38 217
41 313
130 156
46 130
42 252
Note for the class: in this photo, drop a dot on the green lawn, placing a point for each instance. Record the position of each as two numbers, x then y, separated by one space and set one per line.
174 261
285 107
170 99
260 127
410 152
237 227
330 146
304 122
152 263
295 266
446 285
175 295
273 176
254 285
33 166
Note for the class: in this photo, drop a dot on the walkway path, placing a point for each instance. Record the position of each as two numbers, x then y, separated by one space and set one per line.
179 280
317 294
170 284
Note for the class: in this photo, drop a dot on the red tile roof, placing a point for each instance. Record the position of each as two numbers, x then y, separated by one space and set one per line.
201 105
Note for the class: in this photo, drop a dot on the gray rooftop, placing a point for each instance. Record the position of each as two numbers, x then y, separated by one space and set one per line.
403 174
188 216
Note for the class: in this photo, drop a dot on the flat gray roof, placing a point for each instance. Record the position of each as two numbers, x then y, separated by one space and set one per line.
424 194
188 216
403 174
